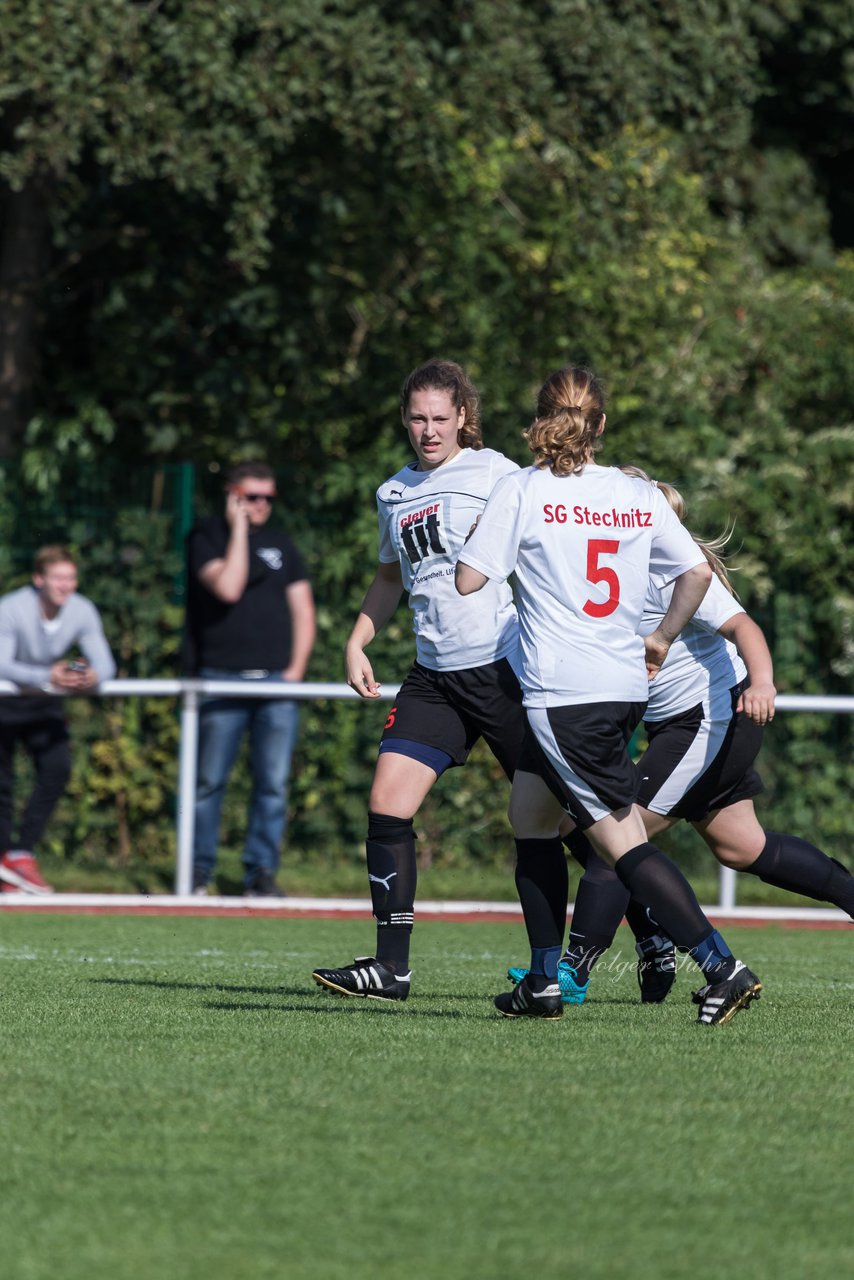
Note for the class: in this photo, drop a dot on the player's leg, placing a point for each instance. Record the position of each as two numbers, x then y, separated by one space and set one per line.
542 884
601 901
400 785
546 784
602 783
688 757
656 966
423 735
737 840
655 881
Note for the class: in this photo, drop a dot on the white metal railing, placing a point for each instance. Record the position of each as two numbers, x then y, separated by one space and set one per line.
189 691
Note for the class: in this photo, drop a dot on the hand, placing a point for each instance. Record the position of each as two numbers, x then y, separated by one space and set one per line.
757 702
63 677
293 675
360 675
657 649
236 512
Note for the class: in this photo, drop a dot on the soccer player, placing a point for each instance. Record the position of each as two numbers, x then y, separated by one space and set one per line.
582 541
707 709
462 685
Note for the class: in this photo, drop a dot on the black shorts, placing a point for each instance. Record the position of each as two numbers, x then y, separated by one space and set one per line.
450 710
697 762
581 753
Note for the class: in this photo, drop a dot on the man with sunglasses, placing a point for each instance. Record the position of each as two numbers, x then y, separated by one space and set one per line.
250 616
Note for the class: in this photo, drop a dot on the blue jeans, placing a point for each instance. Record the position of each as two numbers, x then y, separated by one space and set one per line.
272 724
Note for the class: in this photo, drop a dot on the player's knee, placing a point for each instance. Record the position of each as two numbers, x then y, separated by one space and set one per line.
528 824
735 859
387 799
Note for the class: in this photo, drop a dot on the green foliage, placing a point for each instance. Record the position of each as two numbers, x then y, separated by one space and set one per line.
263 215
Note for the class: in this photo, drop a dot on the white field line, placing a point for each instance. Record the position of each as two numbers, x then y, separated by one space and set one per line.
190 904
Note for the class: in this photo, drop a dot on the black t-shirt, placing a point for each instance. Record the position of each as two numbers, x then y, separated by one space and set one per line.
254 633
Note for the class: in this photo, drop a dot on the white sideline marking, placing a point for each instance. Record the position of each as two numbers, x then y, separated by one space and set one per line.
191 904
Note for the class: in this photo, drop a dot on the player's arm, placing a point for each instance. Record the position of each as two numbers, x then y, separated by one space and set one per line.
688 591
467 579
757 700
300 600
493 540
378 606
227 576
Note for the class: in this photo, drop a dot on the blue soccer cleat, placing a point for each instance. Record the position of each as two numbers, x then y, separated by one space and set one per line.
571 992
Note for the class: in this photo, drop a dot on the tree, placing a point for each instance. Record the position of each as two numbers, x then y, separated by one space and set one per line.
232 229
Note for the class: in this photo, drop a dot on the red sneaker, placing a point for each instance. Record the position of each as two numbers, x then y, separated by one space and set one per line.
21 871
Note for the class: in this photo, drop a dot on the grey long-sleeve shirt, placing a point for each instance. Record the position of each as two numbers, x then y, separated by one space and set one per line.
29 648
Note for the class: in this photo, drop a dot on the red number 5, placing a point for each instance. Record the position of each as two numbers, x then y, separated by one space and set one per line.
597 547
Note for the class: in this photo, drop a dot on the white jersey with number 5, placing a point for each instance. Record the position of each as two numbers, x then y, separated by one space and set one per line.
425 518
582 548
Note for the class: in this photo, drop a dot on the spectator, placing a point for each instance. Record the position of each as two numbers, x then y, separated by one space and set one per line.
250 616
40 626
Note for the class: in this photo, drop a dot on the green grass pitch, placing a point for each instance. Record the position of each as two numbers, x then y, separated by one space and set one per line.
180 1101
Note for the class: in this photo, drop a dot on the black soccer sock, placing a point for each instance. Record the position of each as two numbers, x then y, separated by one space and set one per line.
600 903
542 881
392 876
640 921
658 883
794 864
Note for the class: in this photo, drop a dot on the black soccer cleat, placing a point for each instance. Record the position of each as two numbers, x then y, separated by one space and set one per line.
656 968
722 1000
365 977
522 1002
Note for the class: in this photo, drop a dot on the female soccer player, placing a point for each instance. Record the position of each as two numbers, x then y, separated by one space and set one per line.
583 541
462 686
707 709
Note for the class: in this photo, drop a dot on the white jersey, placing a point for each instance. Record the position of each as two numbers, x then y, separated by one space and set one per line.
700 662
582 548
425 518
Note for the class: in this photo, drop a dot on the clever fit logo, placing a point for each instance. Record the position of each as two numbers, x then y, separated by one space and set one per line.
421 535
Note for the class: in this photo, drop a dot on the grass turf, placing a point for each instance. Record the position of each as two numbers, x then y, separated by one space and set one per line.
180 1100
